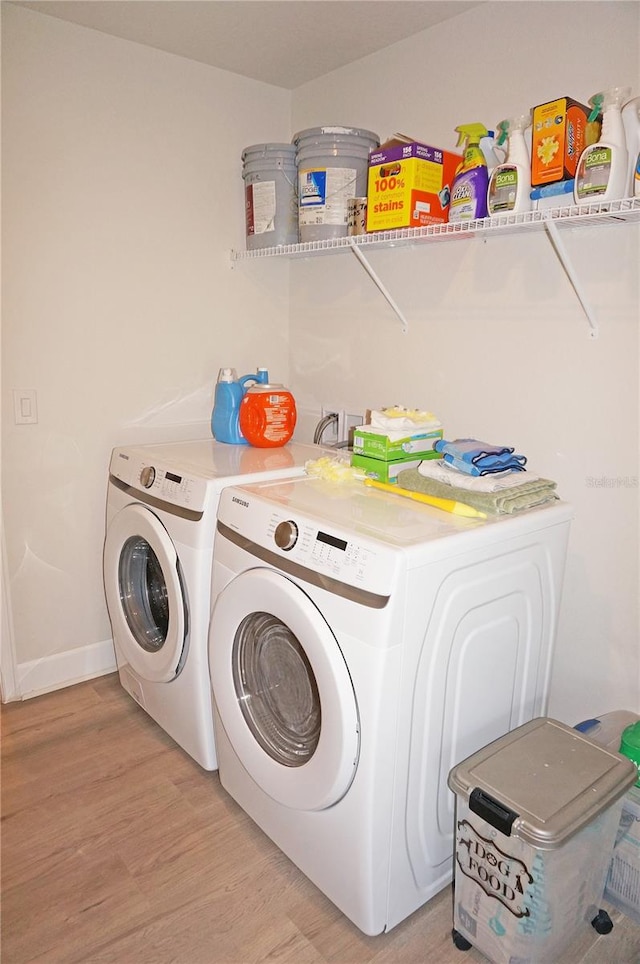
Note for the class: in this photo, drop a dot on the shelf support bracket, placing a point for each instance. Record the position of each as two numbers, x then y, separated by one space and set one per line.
378 283
554 237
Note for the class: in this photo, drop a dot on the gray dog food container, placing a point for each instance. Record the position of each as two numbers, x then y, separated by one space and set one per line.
536 818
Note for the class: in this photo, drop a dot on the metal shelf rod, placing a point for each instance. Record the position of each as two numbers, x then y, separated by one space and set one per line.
554 236
376 280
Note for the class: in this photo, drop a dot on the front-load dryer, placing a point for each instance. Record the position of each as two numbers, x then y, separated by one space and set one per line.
161 512
361 644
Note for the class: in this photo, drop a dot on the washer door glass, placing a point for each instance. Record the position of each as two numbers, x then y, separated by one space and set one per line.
282 690
145 594
276 689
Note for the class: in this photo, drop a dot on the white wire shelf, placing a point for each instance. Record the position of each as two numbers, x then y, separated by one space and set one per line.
574 215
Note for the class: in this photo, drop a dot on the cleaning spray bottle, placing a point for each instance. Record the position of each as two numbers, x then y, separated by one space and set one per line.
469 192
601 174
631 124
230 390
493 154
510 183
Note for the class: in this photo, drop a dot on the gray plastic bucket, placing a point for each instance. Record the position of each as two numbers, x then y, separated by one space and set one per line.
270 193
332 167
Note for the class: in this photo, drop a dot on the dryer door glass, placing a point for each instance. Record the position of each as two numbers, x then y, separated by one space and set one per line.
276 689
146 596
143 593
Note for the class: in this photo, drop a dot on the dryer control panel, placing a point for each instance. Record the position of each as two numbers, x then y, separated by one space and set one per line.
161 481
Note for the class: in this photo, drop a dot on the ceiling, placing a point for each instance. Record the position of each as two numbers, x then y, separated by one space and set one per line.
281 42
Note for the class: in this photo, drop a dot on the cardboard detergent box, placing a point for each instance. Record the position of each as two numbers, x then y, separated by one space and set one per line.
560 132
378 446
383 471
409 185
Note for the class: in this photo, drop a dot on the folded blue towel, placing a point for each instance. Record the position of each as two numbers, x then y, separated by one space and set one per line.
509 463
479 458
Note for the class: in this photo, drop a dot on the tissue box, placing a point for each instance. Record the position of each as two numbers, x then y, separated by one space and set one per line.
378 446
409 185
559 134
383 471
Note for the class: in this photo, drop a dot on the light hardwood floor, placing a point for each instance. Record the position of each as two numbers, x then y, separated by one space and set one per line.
117 847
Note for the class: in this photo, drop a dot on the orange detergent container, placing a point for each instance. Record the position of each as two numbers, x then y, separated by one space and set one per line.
267 415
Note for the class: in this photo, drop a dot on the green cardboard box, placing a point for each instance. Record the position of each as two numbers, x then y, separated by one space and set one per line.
383 471
418 445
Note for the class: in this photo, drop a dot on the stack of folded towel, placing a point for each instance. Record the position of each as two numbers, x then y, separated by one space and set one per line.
479 458
490 478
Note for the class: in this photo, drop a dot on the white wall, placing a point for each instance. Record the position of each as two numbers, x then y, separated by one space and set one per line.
122 197
498 345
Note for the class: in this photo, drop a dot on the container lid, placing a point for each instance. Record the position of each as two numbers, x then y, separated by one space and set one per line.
542 782
268 149
630 746
631 737
336 132
267 387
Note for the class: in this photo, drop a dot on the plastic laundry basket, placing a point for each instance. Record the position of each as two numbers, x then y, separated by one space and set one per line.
536 817
622 888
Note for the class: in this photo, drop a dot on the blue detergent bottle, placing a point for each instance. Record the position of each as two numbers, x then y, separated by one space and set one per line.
225 425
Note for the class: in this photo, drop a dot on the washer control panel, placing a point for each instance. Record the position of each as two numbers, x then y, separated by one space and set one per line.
322 550
311 541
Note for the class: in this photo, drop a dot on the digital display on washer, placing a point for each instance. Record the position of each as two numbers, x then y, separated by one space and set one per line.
331 541
173 478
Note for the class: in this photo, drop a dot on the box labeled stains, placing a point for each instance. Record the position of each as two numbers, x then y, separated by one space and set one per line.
409 185
560 132
367 441
536 818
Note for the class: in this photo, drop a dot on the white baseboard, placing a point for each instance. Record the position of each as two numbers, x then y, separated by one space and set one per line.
64 669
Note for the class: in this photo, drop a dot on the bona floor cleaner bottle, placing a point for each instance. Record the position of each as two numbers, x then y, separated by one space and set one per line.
601 174
470 184
510 183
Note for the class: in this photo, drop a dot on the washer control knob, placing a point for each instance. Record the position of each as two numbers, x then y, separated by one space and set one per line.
286 535
147 476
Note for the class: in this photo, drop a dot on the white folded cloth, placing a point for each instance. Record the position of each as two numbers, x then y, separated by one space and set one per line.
496 482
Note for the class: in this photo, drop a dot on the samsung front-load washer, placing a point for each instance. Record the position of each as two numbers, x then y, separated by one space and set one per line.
360 645
161 512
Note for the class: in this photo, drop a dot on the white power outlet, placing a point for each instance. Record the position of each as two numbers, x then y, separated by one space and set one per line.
340 430
346 425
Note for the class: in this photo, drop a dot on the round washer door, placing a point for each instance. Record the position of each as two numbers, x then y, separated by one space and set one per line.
145 595
283 691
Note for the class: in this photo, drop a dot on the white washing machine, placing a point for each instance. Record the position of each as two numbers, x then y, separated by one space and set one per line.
360 645
161 513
